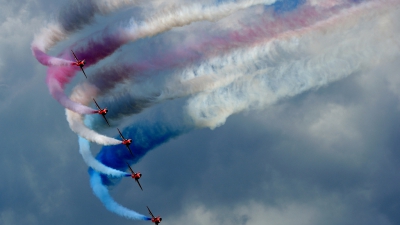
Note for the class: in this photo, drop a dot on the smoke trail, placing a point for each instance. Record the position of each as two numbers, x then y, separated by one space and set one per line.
147 134
47 60
285 66
155 129
187 15
293 49
72 18
84 149
220 71
106 78
297 62
115 73
76 121
56 89
103 44
111 42
102 193
257 66
75 124
269 71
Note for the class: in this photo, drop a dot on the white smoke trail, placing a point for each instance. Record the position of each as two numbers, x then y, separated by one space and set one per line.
75 121
72 18
260 75
84 149
160 23
281 67
186 15
296 62
82 94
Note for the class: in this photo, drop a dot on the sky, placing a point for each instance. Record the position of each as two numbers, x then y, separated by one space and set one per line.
306 130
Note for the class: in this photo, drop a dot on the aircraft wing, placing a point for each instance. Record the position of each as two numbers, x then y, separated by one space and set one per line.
74 55
129 167
129 150
139 184
83 72
97 104
120 134
106 120
150 212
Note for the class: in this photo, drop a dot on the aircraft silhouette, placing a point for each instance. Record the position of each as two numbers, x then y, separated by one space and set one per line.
135 176
155 220
102 112
125 142
80 63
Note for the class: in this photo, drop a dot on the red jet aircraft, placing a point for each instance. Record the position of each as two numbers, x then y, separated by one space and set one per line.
155 220
135 176
125 142
102 112
79 63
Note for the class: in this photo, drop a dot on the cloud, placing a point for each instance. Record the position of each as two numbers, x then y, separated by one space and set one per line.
326 210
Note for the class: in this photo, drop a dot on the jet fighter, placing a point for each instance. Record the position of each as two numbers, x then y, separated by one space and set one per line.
135 176
80 63
155 220
102 112
125 142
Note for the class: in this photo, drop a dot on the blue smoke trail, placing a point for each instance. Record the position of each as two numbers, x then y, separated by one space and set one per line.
102 193
146 135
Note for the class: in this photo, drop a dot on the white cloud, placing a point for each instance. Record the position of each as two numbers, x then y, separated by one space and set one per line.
318 209
289 214
334 124
17 29
254 212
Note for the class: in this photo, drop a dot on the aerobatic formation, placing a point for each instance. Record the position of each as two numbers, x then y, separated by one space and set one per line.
249 55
